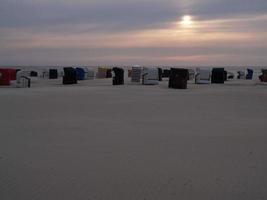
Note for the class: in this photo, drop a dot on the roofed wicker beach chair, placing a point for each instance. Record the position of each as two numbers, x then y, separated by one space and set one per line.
166 73
33 74
70 76
7 75
160 72
118 76
249 75
101 72
191 74
23 79
203 76
136 74
218 75
178 78
88 73
241 75
53 74
263 77
225 77
150 76
80 73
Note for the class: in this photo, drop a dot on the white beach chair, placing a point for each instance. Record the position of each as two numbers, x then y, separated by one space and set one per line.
23 79
136 74
150 76
191 74
203 76
241 75
89 73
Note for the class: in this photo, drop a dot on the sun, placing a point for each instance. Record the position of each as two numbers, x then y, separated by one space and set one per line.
186 21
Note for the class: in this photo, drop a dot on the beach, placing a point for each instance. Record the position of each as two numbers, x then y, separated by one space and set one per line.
97 141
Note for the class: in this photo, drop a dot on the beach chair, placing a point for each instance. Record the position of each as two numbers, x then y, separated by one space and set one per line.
191 74
118 76
33 74
109 73
102 72
80 73
70 76
150 76
225 73
249 75
23 79
160 72
203 76
263 77
89 73
53 74
230 75
166 73
136 74
130 73
178 78
7 75
218 75
241 75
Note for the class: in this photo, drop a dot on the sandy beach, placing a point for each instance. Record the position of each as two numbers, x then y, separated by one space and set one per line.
100 142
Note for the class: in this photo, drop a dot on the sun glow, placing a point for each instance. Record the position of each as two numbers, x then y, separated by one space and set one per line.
186 21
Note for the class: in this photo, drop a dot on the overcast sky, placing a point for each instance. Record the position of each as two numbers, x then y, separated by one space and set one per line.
127 32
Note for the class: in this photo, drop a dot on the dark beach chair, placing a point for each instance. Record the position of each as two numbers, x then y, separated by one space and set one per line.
178 78
53 74
118 77
70 76
218 75
249 75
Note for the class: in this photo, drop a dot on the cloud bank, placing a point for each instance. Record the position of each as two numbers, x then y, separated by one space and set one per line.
68 32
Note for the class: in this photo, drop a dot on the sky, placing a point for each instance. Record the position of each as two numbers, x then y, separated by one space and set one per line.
133 32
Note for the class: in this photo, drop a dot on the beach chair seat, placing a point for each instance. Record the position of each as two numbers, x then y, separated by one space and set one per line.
230 75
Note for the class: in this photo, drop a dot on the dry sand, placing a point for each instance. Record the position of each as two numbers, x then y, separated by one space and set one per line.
100 142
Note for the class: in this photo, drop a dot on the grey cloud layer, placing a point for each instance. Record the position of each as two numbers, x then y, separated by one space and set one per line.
120 14
27 21
211 9
21 14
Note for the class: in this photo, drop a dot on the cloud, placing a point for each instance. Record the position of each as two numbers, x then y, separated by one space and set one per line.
132 32
119 14
112 14
222 9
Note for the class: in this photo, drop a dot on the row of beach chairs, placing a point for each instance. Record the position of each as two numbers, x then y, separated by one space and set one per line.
147 76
